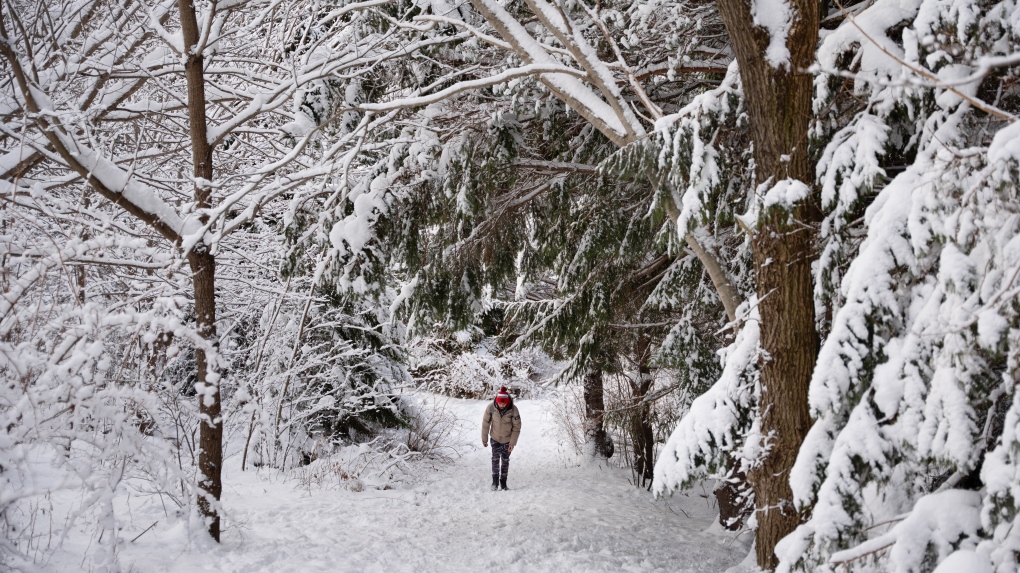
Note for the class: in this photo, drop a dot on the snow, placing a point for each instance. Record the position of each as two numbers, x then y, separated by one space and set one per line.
937 524
502 77
688 135
900 377
919 360
10 160
300 127
356 230
965 560
786 194
1006 144
990 326
580 97
587 57
560 514
714 423
774 16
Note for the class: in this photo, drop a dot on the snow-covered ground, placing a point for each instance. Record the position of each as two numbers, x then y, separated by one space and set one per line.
560 515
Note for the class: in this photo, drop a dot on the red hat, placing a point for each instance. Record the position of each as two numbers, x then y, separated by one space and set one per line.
502 397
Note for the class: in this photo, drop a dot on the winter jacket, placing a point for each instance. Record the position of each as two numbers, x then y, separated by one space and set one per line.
502 426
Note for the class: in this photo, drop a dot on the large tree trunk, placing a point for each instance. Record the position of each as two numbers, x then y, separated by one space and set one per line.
594 410
203 269
788 336
779 110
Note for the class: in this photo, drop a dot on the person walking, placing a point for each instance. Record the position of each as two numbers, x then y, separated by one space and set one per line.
502 424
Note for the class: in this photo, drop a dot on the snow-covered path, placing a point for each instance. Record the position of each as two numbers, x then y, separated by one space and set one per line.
558 516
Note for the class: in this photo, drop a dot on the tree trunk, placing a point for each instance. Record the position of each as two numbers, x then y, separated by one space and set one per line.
594 410
640 418
734 505
783 271
203 268
210 437
779 110
79 272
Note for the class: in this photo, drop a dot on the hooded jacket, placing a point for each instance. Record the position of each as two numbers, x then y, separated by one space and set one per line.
502 426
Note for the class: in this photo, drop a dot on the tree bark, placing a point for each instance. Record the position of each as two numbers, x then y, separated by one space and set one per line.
203 268
641 424
734 505
779 110
210 454
788 336
594 410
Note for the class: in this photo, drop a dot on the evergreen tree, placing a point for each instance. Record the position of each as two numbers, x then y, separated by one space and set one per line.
907 464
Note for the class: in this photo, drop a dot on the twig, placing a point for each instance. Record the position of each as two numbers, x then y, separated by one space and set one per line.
862 555
670 508
144 532
985 107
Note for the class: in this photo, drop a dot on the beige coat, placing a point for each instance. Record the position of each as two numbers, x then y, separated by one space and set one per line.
501 428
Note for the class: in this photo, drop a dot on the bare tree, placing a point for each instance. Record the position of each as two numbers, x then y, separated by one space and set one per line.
168 112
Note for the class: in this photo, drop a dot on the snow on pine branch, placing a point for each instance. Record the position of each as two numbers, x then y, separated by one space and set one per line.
722 425
892 77
909 392
684 158
913 372
949 521
689 154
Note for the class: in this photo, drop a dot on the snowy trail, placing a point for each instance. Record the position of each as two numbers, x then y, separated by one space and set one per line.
557 517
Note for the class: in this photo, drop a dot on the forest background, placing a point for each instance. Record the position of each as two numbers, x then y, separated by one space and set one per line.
773 243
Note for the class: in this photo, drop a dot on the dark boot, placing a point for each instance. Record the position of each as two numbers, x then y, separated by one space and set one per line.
495 483
502 485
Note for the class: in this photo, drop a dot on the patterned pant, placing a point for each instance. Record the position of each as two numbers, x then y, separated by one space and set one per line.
500 452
